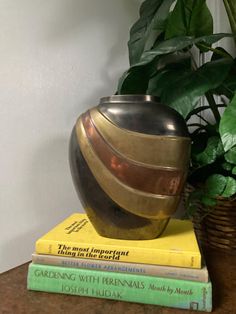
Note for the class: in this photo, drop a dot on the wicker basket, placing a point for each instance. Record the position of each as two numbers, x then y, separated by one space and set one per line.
215 226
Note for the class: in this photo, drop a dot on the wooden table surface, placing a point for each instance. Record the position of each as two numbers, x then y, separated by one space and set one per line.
15 299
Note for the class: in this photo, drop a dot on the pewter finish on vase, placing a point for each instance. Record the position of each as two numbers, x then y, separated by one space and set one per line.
143 114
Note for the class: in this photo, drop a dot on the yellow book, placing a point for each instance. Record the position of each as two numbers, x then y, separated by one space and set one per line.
76 237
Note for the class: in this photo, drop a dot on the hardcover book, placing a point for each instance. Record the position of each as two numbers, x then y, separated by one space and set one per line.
119 286
76 237
183 273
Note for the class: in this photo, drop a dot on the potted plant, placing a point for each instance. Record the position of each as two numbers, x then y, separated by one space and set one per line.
163 46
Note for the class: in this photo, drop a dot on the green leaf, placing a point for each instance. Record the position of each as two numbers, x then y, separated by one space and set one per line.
185 95
211 39
208 201
215 185
213 150
219 185
230 188
160 83
150 58
227 166
234 170
177 44
134 82
189 18
172 72
145 29
227 126
168 46
199 143
228 86
192 201
230 156
219 53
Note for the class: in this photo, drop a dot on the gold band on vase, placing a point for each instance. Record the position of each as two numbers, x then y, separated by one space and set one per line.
151 179
168 151
140 203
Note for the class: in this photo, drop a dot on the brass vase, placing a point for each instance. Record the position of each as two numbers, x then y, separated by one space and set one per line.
129 158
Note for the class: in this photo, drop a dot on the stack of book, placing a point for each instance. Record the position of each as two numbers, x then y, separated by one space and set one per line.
73 259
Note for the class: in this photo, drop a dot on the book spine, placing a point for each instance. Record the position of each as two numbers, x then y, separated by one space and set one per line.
124 287
130 268
123 254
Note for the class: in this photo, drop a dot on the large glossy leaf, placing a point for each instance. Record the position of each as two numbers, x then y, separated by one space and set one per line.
230 188
228 86
141 29
230 156
212 151
144 33
227 127
184 95
189 18
177 44
215 185
128 80
172 72
160 83
164 48
135 81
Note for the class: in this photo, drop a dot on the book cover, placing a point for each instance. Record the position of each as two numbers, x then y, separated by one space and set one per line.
76 237
123 287
183 273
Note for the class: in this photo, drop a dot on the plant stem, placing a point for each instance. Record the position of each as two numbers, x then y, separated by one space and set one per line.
198 125
216 51
203 119
194 63
195 124
213 106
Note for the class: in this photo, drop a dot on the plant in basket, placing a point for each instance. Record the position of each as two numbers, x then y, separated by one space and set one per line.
164 44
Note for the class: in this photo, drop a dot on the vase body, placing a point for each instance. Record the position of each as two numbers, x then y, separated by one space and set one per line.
129 159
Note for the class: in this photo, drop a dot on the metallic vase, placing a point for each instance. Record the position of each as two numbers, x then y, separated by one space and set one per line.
129 159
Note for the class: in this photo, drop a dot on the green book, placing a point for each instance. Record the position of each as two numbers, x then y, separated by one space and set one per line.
176 293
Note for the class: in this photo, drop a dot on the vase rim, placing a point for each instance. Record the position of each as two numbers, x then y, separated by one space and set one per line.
128 98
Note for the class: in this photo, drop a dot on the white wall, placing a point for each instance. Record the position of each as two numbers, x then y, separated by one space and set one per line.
57 58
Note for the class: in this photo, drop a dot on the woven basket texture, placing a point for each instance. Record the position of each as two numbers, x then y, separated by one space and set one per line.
215 226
